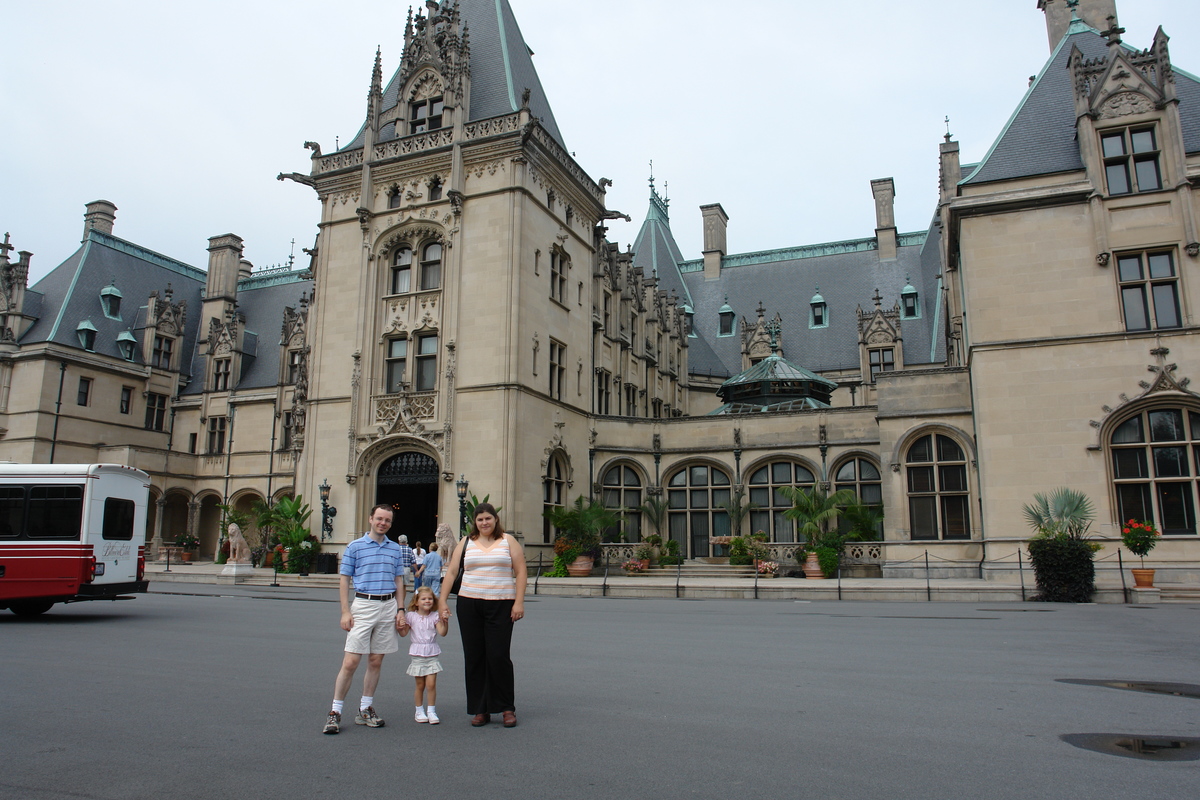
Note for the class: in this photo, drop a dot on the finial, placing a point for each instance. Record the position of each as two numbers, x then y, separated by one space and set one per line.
1113 33
947 127
878 298
5 248
760 310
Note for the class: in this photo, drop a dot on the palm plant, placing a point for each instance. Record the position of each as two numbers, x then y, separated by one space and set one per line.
580 525
1063 513
654 511
738 510
1062 557
861 522
814 511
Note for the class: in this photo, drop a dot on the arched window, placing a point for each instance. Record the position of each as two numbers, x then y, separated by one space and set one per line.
938 502
623 493
554 492
861 477
694 498
402 270
765 483
431 266
1156 461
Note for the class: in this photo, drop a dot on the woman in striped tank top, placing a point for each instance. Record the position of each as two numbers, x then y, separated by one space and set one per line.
490 600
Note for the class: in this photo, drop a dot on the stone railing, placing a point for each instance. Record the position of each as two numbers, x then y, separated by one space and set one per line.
783 552
492 127
351 158
406 145
420 405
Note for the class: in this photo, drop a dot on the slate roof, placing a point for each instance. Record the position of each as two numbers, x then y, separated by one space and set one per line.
655 249
70 294
1039 138
501 69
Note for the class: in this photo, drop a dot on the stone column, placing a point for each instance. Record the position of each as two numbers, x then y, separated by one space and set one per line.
157 541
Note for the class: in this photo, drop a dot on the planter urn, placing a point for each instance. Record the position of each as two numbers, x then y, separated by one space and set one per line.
1143 578
812 568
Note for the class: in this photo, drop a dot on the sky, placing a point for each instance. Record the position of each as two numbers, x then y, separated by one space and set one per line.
782 111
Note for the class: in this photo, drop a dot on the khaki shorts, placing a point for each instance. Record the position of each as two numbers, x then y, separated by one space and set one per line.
374 628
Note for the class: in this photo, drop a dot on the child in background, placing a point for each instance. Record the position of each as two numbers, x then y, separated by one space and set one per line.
425 624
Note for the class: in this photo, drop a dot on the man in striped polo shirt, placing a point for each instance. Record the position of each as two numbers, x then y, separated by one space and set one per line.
376 567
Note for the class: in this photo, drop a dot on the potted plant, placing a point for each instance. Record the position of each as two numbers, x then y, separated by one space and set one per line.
654 511
642 554
187 543
814 511
633 566
1061 555
670 554
1140 538
768 569
579 527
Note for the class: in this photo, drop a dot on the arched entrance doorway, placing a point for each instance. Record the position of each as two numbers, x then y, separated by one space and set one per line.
408 483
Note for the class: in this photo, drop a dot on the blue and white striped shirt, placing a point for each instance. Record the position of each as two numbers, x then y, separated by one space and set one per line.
373 566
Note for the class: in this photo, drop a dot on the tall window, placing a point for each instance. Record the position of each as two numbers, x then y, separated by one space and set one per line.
126 399
397 363
427 363
603 392
221 368
1131 160
295 365
622 492
938 503
608 313
160 358
630 400
435 188
156 412
431 266
558 276
554 493
402 270
1149 290
881 360
861 477
85 392
285 433
425 115
216 435
726 324
558 369
765 484
1156 462
694 498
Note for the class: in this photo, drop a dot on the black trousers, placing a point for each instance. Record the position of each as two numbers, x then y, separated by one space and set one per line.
486 629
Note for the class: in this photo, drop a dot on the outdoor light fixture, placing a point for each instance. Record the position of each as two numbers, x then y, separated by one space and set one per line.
461 484
328 512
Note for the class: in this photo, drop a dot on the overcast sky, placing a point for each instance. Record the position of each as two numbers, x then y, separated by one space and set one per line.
182 114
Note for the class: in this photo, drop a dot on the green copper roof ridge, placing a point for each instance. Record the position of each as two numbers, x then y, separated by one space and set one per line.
508 78
146 254
911 239
62 309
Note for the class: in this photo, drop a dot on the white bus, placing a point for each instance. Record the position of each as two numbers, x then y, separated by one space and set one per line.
71 532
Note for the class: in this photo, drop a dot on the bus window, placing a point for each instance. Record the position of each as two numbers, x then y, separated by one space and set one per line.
12 511
55 512
118 518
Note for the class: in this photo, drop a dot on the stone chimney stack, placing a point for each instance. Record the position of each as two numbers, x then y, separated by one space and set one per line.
950 169
716 221
244 269
99 216
1058 16
885 217
224 263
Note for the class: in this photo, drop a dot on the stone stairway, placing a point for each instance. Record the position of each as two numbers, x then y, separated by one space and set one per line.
692 570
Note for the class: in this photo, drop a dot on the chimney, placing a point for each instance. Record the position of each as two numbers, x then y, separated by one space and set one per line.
1058 16
244 269
950 169
224 262
885 217
99 216
715 223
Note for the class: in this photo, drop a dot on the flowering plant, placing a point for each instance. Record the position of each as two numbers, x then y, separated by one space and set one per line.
1139 537
768 568
188 541
632 565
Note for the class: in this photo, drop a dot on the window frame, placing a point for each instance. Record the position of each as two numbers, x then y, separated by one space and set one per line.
423 382
217 429
163 352
222 370
883 365
557 369
769 516
1147 288
1152 461
156 412
618 494
84 396
431 268
937 501
1128 162
395 367
422 114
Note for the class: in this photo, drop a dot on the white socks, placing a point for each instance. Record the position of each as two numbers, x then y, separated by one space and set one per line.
337 706
366 703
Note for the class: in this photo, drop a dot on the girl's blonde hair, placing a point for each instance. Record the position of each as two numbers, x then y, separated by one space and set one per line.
412 604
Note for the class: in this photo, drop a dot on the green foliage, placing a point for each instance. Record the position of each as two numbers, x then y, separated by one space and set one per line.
580 525
1065 512
670 555
188 541
1139 537
739 555
829 558
738 510
472 502
560 567
814 512
861 522
1063 569
643 552
654 511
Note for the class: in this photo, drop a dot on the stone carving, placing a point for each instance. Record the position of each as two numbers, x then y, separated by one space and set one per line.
1124 104
167 317
239 549
446 541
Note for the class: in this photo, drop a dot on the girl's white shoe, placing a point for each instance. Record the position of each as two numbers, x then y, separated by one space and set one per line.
432 716
421 716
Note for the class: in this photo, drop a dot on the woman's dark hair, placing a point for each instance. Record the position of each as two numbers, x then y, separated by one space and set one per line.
486 508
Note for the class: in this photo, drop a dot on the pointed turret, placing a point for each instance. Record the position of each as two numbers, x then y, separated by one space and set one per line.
655 250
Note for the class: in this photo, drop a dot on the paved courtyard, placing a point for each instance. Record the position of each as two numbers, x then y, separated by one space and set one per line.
198 691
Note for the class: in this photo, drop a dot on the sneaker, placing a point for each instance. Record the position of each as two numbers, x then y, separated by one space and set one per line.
334 723
368 717
432 716
421 715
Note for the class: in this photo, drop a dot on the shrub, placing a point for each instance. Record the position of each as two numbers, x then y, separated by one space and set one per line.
739 555
670 554
829 558
1063 569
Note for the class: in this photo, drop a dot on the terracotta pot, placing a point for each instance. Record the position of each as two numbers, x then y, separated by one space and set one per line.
581 567
645 562
186 555
812 568
1143 578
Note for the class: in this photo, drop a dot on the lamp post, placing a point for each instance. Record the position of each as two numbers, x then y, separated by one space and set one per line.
328 512
461 484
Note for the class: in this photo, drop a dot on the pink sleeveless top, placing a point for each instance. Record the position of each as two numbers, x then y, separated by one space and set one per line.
488 574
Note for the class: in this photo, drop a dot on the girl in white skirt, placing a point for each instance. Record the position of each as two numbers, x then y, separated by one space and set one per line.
422 620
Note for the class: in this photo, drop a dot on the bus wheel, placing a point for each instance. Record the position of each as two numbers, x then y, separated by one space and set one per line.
31 608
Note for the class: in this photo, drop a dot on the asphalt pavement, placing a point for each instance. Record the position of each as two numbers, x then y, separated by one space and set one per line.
202 691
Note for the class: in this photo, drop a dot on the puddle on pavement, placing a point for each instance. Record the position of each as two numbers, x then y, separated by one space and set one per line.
1152 687
1144 748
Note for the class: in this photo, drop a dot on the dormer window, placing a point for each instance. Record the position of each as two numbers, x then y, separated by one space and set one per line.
402 270
910 308
127 344
435 188
394 197
425 115
689 321
725 327
1131 160
110 300
818 311
86 332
